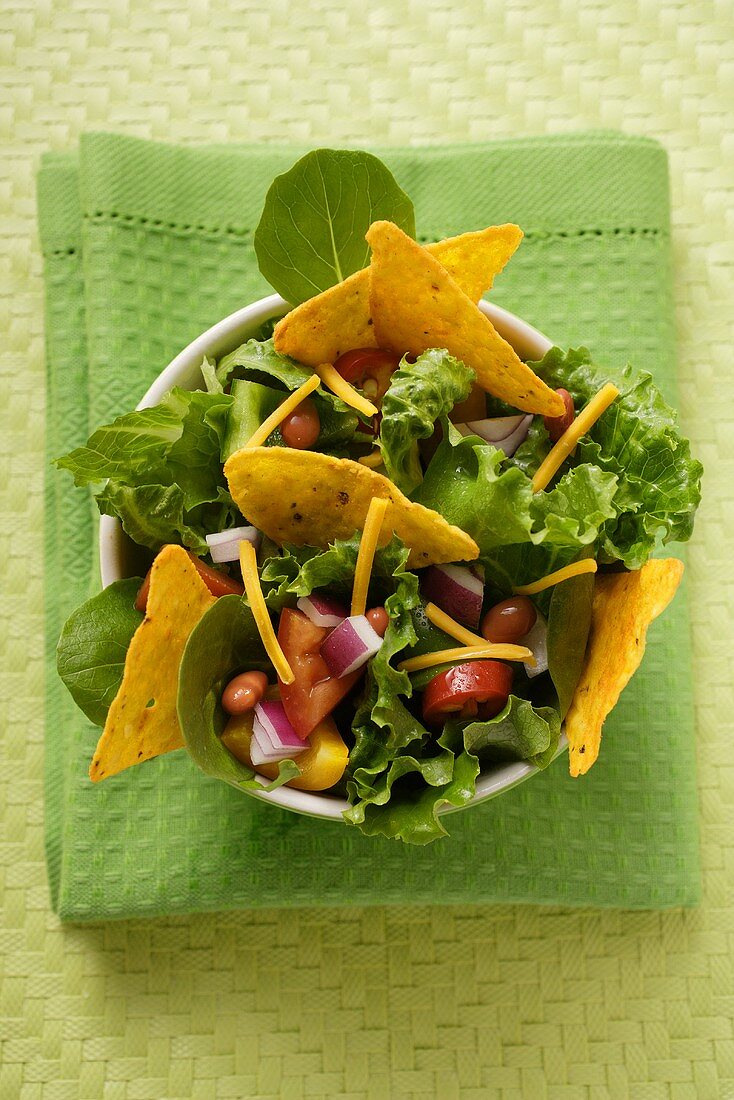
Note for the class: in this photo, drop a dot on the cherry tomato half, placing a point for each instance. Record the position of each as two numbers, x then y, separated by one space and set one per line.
557 425
477 689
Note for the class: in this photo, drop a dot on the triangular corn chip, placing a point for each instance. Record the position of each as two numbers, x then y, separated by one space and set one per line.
624 606
415 305
338 320
142 720
473 260
310 499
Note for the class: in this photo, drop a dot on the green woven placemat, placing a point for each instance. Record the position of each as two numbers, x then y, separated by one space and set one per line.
147 245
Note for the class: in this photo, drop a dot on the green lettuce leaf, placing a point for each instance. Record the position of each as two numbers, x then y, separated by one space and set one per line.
419 394
154 515
638 440
402 802
397 774
130 447
161 470
311 233
258 361
209 374
519 732
520 534
569 622
93 644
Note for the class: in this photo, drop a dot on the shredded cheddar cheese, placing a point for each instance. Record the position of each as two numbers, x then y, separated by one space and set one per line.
251 579
366 556
278 415
581 425
331 378
371 461
588 565
450 626
498 652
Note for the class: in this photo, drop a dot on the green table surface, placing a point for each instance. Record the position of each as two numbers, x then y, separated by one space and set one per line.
460 1001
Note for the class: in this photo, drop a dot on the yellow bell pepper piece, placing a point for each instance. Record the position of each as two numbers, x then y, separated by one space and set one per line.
322 764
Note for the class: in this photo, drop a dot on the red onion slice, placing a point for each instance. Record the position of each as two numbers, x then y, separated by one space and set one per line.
506 433
457 590
225 545
536 640
274 733
261 750
350 645
322 610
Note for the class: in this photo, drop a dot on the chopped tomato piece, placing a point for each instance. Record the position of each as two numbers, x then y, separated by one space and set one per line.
314 693
218 583
477 689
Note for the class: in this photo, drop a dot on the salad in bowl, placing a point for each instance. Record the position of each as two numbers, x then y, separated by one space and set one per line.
380 556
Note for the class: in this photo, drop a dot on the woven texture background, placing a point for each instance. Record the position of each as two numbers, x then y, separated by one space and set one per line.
459 1002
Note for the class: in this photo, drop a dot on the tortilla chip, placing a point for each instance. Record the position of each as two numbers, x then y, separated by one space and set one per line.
142 721
310 499
338 320
415 305
323 328
473 260
624 606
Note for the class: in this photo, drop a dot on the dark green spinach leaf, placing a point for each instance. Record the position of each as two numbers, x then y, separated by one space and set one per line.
569 619
90 657
311 233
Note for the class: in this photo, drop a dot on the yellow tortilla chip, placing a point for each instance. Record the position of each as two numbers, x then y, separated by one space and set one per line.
310 499
473 260
415 305
142 720
338 320
624 606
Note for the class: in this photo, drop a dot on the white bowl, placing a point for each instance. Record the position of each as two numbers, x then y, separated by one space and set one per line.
118 556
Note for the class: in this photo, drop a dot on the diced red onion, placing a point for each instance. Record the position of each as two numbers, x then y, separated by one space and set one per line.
536 640
506 433
274 735
457 590
261 751
350 645
322 610
225 545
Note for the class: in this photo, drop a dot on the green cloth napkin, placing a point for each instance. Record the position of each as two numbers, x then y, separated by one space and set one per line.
147 245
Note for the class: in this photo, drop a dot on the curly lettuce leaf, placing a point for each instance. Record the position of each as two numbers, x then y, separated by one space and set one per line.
398 774
520 731
419 394
403 801
520 534
162 470
638 440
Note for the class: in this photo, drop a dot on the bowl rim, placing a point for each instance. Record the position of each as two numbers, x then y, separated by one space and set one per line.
216 341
